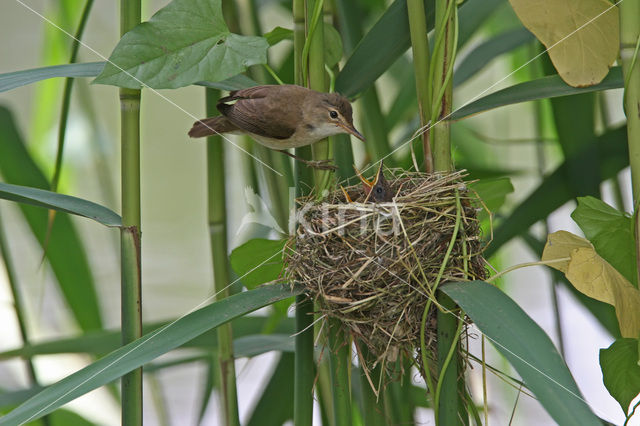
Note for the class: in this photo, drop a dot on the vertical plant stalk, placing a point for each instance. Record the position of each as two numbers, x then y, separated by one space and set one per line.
420 49
629 41
304 366
441 70
450 392
339 350
218 238
130 234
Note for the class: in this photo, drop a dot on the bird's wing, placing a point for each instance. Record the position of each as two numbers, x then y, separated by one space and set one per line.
258 111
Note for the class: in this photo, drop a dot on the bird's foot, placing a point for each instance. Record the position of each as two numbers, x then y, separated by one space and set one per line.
321 164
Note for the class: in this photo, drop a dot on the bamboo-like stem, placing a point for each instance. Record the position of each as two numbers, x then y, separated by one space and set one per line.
339 351
629 43
442 84
629 37
304 365
217 217
450 394
130 235
420 49
66 97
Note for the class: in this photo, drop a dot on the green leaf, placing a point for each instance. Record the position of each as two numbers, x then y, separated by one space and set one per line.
60 202
481 55
275 406
541 88
258 261
15 79
105 341
620 371
332 45
248 346
145 349
611 233
555 190
184 42
65 251
236 82
581 36
379 48
527 348
278 34
493 192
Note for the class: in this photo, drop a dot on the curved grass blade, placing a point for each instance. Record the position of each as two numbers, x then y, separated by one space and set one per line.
489 50
145 349
66 252
527 348
60 202
541 88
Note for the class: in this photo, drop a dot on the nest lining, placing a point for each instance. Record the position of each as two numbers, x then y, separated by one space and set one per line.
372 265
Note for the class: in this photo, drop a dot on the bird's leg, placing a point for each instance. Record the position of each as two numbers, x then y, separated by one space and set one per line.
319 164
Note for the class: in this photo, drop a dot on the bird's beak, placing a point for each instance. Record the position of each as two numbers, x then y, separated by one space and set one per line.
370 183
352 130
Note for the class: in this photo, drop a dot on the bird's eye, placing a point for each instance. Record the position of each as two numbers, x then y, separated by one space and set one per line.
379 190
333 114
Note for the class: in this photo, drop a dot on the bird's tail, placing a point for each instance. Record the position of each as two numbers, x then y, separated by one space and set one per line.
211 126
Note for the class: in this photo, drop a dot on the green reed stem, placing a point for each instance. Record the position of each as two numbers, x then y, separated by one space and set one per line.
217 217
130 235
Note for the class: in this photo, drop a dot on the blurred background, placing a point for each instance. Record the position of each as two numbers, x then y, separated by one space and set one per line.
176 262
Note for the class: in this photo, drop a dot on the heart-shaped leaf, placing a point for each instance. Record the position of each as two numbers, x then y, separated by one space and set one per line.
580 35
184 42
594 277
620 371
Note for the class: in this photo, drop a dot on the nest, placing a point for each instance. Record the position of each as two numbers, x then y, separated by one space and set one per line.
373 266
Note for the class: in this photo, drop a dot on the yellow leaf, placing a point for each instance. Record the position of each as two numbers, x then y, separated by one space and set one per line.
559 246
595 277
581 35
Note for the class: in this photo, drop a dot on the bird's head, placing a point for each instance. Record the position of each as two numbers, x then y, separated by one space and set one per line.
331 114
378 189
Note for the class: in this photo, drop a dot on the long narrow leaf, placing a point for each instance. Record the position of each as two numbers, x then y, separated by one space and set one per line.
145 349
15 79
65 252
60 202
105 341
379 48
481 55
389 38
527 348
541 88
554 190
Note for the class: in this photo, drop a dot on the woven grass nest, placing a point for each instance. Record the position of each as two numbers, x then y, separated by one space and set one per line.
372 265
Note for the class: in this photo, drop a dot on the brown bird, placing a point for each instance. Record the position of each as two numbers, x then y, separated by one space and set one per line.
280 117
